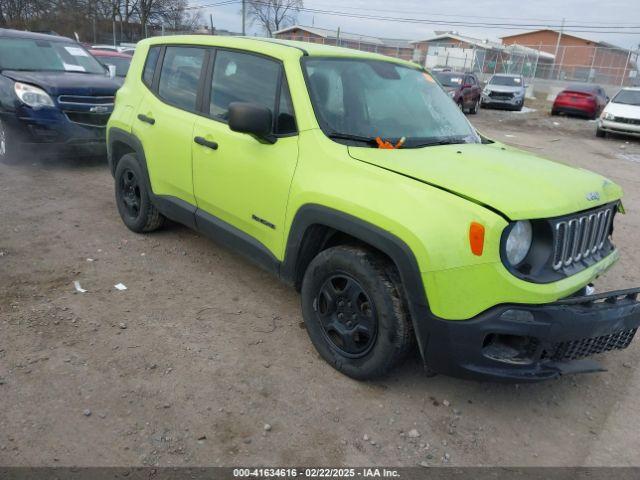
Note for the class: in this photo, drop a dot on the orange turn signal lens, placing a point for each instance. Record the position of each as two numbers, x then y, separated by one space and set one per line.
476 238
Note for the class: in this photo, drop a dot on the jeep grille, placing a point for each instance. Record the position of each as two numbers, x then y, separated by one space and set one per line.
581 236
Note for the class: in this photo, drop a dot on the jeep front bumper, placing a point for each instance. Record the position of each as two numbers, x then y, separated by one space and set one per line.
524 343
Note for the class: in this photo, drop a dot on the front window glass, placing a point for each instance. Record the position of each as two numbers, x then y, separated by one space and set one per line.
46 55
628 97
506 81
365 99
242 77
180 75
449 79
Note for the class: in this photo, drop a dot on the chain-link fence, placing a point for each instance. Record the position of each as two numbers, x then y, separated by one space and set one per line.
607 65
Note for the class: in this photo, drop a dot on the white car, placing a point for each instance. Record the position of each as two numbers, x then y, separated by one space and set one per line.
622 114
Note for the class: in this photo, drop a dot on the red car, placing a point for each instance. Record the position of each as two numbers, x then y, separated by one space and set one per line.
464 88
580 100
108 57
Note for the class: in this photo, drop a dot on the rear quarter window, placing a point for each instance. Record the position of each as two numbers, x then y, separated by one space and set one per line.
150 66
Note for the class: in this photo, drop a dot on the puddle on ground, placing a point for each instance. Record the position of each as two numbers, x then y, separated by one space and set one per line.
631 157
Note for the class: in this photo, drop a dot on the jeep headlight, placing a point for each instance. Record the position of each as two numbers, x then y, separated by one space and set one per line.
33 96
486 92
518 242
452 93
608 116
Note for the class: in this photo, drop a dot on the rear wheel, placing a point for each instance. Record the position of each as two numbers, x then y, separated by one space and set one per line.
354 311
132 198
475 108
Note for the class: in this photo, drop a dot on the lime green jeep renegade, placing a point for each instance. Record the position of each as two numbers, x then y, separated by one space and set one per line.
355 178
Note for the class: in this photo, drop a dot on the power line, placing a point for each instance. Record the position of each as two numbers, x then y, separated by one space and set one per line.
486 25
493 17
575 28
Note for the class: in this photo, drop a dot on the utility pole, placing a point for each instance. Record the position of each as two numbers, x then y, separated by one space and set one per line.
558 47
244 17
211 23
338 37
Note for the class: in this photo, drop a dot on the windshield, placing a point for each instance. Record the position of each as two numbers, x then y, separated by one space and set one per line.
449 79
506 81
121 64
627 97
372 98
46 55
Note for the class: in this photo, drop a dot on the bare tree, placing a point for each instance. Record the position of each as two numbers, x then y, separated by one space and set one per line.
272 15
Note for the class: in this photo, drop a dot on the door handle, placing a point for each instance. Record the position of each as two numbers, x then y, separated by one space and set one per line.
206 143
144 118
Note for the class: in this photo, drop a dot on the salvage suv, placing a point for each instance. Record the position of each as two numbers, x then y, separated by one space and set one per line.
355 178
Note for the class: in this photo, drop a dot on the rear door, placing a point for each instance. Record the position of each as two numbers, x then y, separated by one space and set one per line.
165 119
237 178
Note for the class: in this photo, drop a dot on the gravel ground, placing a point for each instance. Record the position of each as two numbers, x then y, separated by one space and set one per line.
203 359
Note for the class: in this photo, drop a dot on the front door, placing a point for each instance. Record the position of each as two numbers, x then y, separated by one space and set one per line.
237 178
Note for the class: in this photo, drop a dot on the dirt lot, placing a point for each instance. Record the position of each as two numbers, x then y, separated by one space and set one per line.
203 349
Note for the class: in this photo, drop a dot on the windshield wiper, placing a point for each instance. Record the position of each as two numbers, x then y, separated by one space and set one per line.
354 138
439 141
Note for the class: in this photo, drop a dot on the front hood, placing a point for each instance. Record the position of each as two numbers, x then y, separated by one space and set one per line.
516 183
67 83
622 110
503 88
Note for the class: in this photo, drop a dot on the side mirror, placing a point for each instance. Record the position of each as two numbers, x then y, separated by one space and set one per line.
253 119
607 99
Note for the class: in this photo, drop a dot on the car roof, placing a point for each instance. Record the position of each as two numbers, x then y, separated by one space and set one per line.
9 33
272 47
581 88
512 75
96 52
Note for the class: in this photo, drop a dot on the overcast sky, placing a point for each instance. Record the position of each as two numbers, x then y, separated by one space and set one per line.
589 13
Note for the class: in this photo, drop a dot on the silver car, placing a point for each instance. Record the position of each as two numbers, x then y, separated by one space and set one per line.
504 91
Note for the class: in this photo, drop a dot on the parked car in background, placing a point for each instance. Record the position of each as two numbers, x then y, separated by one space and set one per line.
112 48
581 101
54 95
109 57
622 114
504 91
463 88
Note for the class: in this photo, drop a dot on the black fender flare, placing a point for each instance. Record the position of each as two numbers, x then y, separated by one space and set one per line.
171 207
388 243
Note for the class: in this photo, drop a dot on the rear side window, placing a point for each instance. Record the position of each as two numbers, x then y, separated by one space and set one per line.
180 75
150 66
242 77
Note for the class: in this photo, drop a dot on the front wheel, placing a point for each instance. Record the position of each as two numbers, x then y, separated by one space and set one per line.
8 150
600 133
355 313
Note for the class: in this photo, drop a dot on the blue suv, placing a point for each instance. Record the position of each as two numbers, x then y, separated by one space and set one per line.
54 96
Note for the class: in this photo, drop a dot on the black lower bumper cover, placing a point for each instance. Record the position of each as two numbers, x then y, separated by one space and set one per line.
523 343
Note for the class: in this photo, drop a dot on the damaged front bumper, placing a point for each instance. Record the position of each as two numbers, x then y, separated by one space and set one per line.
523 343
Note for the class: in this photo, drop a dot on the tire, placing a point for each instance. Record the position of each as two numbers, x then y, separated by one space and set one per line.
355 313
600 133
8 150
475 108
461 106
554 113
132 198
